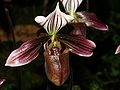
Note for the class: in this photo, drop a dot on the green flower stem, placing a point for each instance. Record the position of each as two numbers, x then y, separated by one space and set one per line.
53 38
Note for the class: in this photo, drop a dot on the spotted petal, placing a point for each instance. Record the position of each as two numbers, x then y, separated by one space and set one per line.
78 44
54 21
71 5
117 50
26 53
91 20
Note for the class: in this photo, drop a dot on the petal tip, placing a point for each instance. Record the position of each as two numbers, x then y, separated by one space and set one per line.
40 19
117 50
87 55
57 6
83 55
16 64
94 45
6 64
105 28
2 81
10 65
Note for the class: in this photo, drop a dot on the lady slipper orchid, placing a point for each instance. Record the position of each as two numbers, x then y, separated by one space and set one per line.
30 48
89 19
56 57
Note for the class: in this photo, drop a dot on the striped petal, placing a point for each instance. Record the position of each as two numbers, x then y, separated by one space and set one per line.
91 20
54 21
71 5
26 53
117 50
78 44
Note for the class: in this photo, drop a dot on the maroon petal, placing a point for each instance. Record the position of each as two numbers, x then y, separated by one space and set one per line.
2 81
78 45
117 50
27 52
57 66
91 20
79 29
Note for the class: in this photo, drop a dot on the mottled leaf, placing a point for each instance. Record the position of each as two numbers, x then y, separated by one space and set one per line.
78 44
57 66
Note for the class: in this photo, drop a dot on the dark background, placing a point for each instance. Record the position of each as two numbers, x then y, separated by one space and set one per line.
98 72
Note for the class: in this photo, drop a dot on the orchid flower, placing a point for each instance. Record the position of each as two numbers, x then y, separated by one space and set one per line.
89 19
56 57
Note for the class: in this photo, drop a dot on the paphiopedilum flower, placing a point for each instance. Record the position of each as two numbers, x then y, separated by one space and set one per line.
56 57
52 24
89 19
